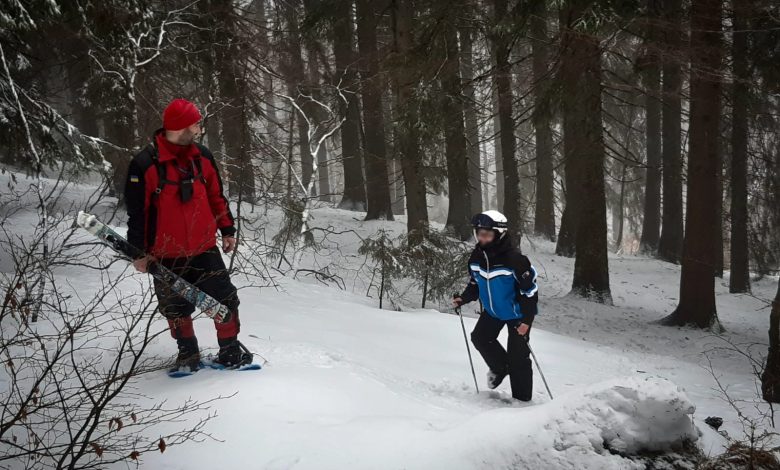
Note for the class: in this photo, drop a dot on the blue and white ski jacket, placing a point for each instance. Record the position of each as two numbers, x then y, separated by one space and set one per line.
504 280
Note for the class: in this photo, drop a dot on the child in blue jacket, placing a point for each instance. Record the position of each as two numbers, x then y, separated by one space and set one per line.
504 281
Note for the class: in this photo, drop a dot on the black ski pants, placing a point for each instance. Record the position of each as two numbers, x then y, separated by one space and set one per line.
514 360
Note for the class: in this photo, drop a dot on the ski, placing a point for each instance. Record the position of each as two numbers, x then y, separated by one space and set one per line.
207 304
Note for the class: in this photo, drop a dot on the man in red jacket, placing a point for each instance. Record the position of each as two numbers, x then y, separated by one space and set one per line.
175 204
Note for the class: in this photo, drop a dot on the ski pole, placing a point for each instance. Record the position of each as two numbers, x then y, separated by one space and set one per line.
537 367
468 349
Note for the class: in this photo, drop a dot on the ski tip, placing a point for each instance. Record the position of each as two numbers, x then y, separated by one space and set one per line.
84 219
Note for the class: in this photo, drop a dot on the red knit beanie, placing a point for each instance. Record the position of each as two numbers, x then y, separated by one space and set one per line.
179 115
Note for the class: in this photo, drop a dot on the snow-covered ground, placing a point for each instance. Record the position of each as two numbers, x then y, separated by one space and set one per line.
347 385
351 386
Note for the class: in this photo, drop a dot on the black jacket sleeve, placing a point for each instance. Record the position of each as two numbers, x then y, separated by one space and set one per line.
135 201
471 292
526 289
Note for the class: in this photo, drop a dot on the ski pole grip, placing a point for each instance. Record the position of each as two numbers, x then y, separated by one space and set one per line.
456 295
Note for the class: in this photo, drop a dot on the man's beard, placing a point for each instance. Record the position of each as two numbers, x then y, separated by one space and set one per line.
186 138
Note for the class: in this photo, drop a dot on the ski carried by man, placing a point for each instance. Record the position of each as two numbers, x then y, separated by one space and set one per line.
175 205
206 303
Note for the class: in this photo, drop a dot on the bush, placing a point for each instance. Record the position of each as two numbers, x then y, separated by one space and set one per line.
431 258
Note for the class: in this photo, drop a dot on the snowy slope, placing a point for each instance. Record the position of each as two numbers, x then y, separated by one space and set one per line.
349 385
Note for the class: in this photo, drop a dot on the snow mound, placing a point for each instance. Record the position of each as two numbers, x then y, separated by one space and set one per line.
628 416
606 426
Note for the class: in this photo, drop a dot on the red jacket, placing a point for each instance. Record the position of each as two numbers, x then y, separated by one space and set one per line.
158 221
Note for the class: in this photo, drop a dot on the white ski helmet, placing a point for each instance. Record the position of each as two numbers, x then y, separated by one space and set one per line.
493 220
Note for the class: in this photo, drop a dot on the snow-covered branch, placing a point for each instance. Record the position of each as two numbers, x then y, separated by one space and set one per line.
318 132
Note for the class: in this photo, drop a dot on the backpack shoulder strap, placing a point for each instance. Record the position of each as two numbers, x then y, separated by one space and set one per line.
146 157
151 156
199 167
203 153
162 176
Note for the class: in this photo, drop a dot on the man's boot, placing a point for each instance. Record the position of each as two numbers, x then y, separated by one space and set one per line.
232 354
189 354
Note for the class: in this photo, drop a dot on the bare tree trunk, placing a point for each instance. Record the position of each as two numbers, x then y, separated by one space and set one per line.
397 197
354 197
77 74
485 162
739 281
209 83
314 80
377 184
323 175
628 143
212 120
498 160
770 378
670 243
233 89
147 114
260 9
121 129
651 222
581 66
470 115
296 83
719 259
544 216
697 281
405 79
502 47
455 145
567 233
621 209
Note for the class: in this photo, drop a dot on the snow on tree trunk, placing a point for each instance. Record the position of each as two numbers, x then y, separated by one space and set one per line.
40 192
